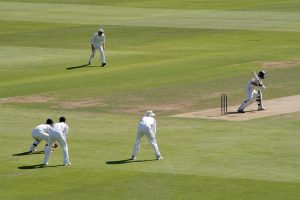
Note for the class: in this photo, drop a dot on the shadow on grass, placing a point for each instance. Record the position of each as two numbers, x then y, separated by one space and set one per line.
235 112
76 67
28 153
246 111
80 66
126 161
37 166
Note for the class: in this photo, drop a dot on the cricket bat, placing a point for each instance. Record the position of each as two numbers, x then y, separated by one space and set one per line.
257 78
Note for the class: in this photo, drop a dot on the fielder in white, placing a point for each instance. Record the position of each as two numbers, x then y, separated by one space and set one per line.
147 127
252 94
59 134
39 133
98 42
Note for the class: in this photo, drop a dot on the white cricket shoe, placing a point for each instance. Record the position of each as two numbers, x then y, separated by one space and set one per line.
133 158
32 151
67 164
159 158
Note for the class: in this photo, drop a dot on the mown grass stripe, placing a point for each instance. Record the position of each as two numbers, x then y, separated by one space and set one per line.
104 15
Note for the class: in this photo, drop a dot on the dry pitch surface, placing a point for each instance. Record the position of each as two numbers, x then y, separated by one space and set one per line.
274 107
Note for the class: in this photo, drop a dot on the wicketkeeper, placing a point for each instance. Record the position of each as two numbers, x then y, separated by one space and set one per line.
255 82
41 132
98 42
147 127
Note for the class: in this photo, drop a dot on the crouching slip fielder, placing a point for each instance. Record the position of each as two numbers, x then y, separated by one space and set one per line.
147 127
98 42
252 94
41 132
59 134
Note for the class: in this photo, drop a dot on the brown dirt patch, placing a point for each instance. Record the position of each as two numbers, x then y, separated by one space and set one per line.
26 99
278 106
46 99
157 108
81 104
279 64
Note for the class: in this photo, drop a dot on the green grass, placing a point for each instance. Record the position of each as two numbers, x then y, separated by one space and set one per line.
169 56
292 5
210 159
155 17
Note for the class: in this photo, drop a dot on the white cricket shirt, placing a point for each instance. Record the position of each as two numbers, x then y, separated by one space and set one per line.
97 41
61 127
43 128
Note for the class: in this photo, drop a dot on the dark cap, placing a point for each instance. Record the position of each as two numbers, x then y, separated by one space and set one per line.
49 121
62 119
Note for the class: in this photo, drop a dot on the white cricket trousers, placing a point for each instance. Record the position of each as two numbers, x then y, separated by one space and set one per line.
57 136
251 95
147 131
101 51
38 136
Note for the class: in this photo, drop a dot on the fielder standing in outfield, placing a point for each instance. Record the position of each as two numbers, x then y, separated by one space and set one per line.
59 134
147 127
252 94
98 42
39 133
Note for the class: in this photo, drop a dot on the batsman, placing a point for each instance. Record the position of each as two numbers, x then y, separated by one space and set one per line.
252 94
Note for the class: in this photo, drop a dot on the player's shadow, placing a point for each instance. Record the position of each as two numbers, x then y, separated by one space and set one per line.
80 66
76 67
246 111
26 153
234 112
126 161
38 166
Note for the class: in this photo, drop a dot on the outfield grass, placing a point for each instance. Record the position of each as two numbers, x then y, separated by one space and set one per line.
169 56
278 5
155 17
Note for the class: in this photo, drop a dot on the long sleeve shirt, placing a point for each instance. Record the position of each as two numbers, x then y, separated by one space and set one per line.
62 128
98 40
150 122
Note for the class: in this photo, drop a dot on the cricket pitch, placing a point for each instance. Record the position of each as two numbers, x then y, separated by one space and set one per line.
278 106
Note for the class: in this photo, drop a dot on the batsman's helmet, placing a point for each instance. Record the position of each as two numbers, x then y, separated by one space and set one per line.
149 113
261 74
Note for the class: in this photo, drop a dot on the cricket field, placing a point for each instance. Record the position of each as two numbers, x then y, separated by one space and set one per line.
169 56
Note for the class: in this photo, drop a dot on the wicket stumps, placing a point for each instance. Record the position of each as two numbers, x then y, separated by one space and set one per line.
224 103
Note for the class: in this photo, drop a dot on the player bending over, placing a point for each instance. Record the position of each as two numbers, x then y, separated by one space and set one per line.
147 127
